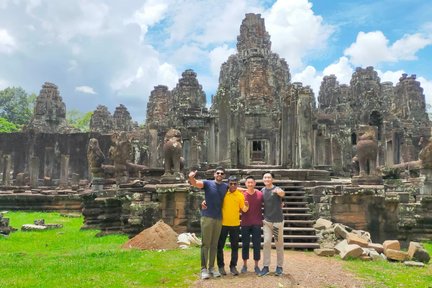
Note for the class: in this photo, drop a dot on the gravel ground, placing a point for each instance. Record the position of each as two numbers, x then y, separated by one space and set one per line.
301 269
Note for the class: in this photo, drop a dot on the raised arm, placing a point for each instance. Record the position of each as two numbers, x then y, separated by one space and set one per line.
193 181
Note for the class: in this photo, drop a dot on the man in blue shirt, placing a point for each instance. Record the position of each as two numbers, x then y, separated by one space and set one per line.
211 219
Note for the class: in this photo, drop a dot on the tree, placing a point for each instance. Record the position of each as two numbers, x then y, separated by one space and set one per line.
7 127
79 120
16 105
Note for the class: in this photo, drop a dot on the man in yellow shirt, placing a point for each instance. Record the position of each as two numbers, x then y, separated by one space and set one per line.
233 203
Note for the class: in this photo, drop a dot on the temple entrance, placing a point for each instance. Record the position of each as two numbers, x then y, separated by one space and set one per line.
257 153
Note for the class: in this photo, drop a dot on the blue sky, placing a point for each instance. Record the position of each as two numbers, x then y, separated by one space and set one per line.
115 52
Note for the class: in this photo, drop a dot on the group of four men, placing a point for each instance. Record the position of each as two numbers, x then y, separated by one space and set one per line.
220 217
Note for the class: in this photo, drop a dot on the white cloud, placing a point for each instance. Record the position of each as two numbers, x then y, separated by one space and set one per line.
309 77
67 21
373 48
85 89
149 14
342 69
7 42
427 89
295 30
4 84
391 76
218 56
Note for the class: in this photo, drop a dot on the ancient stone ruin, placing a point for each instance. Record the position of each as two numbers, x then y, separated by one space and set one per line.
354 156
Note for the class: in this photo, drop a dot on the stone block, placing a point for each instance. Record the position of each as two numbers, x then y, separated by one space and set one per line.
377 256
414 264
325 252
351 251
377 247
340 231
322 223
396 255
355 239
412 248
341 246
391 244
418 253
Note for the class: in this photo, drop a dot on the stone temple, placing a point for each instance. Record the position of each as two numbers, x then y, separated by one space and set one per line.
257 120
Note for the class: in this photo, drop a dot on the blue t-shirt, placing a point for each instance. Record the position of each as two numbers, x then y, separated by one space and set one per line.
214 194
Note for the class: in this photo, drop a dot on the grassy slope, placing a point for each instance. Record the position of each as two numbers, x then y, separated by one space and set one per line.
394 274
69 257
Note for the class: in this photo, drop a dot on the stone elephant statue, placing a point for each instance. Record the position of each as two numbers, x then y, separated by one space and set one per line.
367 150
172 150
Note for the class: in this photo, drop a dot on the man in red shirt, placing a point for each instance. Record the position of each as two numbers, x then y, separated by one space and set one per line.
251 223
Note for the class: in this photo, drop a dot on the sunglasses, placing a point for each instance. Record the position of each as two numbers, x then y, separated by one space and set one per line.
220 173
233 184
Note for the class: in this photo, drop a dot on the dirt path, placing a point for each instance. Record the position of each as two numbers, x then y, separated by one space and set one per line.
301 270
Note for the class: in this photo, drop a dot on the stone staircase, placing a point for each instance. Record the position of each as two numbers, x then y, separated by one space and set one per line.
298 222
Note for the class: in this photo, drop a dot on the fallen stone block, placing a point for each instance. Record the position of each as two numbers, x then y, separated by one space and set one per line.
365 258
418 253
391 244
322 224
33 227
324 252
355 239
340 231
396 255
377 256
376 246
414 264
352 251
341 246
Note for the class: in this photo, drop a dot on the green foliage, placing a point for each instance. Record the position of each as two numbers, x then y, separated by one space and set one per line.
79 120
7 127
390 172
69 257
16 105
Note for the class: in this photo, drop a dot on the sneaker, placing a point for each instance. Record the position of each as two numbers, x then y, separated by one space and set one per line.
234 271
264 271
244 269
205 274
278 271
214 272
257 270
222 271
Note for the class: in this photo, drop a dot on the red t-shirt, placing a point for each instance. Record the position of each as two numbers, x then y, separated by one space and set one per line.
254 215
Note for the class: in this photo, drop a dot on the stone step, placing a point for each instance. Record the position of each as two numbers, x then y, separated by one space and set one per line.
299 215
297 209
299 229
299 222
294 197
303 237
296 204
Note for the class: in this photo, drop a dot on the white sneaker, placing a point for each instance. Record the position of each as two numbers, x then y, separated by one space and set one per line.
214 272
204 274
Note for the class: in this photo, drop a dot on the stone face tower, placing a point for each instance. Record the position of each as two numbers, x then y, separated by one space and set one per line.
253 105
49 112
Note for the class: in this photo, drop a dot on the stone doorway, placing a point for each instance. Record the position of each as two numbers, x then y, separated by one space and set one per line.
257 153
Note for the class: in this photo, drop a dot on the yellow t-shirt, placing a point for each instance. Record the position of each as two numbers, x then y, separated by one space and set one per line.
233 202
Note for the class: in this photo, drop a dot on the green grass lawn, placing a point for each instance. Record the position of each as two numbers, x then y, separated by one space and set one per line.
68 257
393 274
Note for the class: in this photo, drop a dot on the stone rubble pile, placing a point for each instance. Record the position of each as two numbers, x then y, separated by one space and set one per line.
335 238
5 229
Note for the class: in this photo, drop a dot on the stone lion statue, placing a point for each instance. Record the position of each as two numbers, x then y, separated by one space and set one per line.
95 158
172 149
367 150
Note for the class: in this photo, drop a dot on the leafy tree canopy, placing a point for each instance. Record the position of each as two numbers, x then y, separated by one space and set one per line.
16 106
79 120
7 127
